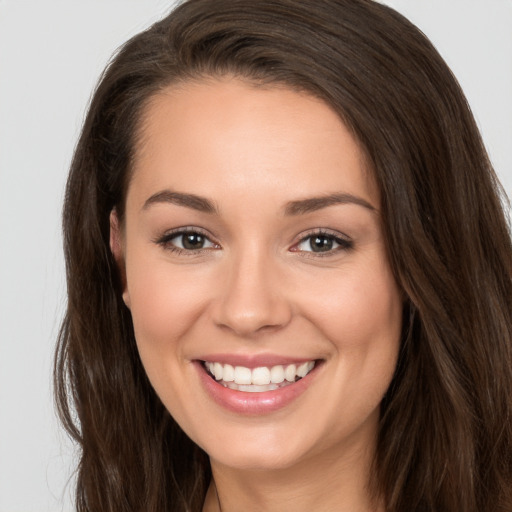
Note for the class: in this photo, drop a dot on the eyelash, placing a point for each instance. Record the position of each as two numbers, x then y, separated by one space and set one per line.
344 244
166 241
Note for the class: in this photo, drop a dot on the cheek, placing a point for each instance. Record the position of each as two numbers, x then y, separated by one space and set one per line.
362 318
359 308
360 312
164 302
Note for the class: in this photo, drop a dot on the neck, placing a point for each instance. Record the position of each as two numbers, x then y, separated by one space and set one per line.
318 483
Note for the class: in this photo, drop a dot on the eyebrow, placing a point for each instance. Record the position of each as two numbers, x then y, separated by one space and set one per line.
180 199
312 204
298 207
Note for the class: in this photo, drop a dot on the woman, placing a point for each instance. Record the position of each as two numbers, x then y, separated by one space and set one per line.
289 272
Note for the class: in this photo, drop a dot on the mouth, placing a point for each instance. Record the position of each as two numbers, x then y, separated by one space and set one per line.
260 379
258 385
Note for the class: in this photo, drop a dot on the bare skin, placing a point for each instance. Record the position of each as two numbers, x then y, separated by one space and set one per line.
253 233
337 486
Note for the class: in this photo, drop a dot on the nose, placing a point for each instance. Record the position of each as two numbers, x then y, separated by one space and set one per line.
252 298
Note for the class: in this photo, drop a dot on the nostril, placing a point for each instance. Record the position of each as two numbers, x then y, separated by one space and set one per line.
252 314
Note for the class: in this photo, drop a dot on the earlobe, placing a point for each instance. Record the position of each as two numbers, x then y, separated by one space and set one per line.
117 249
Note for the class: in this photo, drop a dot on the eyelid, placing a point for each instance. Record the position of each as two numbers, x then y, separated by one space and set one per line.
345 242
164 240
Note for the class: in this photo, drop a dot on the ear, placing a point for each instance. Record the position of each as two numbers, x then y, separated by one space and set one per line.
117 249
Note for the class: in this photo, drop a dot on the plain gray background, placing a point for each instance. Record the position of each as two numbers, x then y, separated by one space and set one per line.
51 53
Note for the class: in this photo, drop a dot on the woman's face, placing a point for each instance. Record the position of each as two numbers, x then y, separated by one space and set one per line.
253 250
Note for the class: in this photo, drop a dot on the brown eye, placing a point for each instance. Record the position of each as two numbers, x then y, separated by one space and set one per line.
192 241
186 240
323 243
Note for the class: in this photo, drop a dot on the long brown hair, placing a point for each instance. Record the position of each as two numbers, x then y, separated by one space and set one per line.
445 437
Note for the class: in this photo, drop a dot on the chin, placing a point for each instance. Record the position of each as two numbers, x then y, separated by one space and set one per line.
256 460
261 451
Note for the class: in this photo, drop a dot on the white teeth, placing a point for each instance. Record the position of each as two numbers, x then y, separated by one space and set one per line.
217 371
302 370
277 374
289 373
251 388
305 368
243 375
258 379
261 376
228 374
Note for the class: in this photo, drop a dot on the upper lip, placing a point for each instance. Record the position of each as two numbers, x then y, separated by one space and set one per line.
254 360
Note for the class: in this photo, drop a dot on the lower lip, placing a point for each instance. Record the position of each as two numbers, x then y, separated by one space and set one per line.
247 403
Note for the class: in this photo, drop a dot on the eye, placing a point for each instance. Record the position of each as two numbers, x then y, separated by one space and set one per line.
186 241
323 243
191 241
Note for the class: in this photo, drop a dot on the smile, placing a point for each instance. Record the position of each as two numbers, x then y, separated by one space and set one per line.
260 379
254 386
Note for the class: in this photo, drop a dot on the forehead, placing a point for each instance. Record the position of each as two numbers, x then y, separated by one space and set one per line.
230 136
